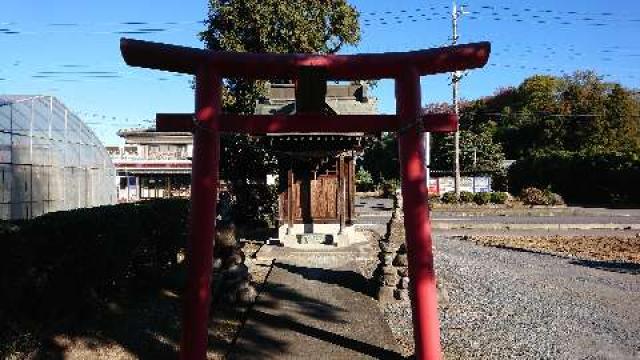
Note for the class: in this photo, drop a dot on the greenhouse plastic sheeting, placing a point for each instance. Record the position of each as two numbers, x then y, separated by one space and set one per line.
49 160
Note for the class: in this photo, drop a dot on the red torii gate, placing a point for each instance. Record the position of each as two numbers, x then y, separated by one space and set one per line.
211 67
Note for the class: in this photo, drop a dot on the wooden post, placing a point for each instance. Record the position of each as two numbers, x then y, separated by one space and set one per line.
290 205
341 193
351 190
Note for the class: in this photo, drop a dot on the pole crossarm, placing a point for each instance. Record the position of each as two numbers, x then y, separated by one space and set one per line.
188 60
308 123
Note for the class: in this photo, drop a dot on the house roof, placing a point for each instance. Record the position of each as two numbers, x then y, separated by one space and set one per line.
151 136
349 99
341 99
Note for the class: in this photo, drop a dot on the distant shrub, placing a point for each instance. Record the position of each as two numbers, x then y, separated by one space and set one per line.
7 228
253 205
433 198
482 198
466 197
389 187
364 181
449 198
553 198
499 197
533 196
583 178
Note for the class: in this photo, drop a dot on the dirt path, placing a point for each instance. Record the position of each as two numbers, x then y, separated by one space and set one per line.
314 312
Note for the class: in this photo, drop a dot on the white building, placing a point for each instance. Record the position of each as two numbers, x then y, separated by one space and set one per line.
152 164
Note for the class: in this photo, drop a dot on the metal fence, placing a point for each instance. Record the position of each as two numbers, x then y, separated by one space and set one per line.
49 160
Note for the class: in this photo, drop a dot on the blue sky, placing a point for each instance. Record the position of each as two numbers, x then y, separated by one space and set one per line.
69 48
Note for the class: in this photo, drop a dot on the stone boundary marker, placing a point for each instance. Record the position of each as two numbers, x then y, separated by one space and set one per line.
392 274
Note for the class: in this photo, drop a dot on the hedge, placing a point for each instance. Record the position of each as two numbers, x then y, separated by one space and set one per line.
580 178
499 197
482 198
59 261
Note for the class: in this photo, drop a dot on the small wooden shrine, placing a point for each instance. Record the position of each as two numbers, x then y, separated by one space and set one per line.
316 201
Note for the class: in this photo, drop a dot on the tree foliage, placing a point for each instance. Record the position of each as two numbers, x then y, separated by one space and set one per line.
479 153
578 112
273 26
380 159
594 178
267 26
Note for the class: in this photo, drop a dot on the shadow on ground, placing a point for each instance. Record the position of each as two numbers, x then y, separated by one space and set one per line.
281 310
144 323
345 278
266 347
612 266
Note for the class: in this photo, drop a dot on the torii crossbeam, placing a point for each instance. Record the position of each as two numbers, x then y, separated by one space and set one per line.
211 67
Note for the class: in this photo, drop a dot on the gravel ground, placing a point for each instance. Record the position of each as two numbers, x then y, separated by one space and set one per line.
506 304
608 248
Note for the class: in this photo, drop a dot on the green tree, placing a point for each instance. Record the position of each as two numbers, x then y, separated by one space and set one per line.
268 26
578 112
622 131
273 26
529 120
380 159
479 153
583 99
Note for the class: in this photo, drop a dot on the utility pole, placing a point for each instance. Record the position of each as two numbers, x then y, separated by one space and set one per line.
456 13
426 138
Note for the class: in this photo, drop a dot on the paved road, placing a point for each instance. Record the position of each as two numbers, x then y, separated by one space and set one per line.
373 210
516 305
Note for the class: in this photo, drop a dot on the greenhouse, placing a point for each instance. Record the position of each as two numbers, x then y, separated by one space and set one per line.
49 160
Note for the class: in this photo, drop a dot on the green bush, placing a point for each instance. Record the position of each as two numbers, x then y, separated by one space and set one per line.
581 178
389 187
7 228
433 198
553 198
499 197
254 205
364 181
482 198
466 197
449 198
62 261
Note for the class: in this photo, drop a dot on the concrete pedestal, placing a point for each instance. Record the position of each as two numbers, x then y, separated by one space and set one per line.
318 236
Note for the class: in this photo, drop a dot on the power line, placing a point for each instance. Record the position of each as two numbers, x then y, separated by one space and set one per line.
368 18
